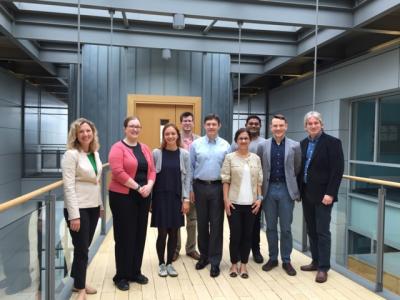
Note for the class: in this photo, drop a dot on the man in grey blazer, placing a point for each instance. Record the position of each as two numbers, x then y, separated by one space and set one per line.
281 161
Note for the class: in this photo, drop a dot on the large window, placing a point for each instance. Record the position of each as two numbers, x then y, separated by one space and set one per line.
375 146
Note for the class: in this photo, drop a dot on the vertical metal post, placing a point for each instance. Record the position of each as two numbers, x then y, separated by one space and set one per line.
380 239
50 246
103 195
304 247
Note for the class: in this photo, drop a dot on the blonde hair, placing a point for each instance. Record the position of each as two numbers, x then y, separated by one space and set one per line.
73 142
314 114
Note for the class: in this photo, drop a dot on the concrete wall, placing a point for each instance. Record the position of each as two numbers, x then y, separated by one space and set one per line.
109 76
375 73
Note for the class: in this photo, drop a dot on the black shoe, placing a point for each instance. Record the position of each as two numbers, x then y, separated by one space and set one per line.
201 264
122 284
258 258
270 265
141 279
214 272
289 269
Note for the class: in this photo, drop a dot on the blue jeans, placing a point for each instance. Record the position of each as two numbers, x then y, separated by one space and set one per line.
279 204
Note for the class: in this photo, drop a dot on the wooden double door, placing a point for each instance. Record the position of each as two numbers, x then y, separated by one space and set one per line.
155 111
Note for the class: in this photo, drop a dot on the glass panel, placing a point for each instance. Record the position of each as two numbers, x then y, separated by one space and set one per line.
389 130
363 127
376 172
53 129
21 257
391 259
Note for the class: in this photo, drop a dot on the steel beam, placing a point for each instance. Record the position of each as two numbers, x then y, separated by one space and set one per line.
291 14
6 28
101 36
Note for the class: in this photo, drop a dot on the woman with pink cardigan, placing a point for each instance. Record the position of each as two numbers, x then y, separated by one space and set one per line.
133 176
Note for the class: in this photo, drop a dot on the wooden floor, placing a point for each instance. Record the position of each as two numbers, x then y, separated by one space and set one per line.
192 284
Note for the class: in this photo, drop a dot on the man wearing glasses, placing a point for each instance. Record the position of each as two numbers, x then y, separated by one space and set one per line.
281 161
253 125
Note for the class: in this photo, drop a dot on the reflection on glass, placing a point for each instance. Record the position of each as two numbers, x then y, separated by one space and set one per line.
363 127
375 172
20 258
389 130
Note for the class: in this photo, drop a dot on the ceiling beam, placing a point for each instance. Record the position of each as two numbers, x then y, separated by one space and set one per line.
291 14
201 43
6 28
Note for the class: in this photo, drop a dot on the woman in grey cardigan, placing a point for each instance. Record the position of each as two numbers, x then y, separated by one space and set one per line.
170 195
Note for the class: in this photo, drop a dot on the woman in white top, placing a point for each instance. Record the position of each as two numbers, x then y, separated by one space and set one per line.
242 178
81 170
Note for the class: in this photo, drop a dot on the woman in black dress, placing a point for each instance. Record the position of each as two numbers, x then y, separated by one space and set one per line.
170 195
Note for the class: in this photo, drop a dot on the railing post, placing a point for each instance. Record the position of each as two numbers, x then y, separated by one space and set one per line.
304 247
104 195
380 239
50 246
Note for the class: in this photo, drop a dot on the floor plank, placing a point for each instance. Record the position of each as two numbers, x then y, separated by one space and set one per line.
192 284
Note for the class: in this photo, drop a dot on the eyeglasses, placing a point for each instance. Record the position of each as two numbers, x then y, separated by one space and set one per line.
253 124
137 127
243 138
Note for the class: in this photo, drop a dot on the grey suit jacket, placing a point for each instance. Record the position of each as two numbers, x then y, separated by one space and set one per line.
184 165
292 165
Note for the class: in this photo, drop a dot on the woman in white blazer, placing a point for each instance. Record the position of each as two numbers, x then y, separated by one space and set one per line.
81 170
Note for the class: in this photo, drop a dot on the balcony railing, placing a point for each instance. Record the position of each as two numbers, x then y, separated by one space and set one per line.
36 250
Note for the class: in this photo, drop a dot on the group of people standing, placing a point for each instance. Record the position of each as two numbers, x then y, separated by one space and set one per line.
201 177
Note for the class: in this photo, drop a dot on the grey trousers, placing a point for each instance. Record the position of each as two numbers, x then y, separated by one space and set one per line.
191 225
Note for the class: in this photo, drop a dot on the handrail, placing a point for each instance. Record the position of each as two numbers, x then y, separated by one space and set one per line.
26 197
29 196
373 181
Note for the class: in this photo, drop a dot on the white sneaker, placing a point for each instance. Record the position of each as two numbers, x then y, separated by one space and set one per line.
162 271
171 271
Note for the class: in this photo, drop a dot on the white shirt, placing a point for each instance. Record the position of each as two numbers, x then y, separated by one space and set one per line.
245 196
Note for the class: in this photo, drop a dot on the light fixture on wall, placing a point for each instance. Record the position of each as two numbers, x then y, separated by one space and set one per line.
166 54
178 21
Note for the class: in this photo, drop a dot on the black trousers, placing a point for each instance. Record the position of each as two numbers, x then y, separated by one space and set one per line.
318 219
255 243
130 214
81 241
210 220
241 222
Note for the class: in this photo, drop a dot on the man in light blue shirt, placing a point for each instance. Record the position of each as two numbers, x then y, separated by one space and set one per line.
207 155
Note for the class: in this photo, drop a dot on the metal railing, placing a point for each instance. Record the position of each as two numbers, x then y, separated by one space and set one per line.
380 239
50 200
49 205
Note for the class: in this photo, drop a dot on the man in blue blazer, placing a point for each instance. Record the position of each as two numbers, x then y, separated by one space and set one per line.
281 161
319 181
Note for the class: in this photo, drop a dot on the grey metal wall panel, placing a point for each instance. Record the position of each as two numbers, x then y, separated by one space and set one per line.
10 132
144 71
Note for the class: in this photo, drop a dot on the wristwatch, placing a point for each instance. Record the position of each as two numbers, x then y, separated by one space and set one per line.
260 197
138 187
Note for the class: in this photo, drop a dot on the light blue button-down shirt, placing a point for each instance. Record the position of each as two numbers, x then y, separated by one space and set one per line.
207 156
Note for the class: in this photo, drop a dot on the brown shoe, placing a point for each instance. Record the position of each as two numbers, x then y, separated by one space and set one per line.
311 267
289 269
175 257
321 277
194 254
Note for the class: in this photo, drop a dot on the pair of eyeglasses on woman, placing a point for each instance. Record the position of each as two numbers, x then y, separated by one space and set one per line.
135 126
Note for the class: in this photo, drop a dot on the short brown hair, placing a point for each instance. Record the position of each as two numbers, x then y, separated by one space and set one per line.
279 117
73 142
178 141
130 118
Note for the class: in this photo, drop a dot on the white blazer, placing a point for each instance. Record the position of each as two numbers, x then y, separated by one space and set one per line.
82 187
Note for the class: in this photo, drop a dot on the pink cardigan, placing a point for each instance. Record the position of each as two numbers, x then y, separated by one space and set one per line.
124 164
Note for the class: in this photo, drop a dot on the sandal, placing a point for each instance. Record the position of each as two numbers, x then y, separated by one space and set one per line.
233 274
244 275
